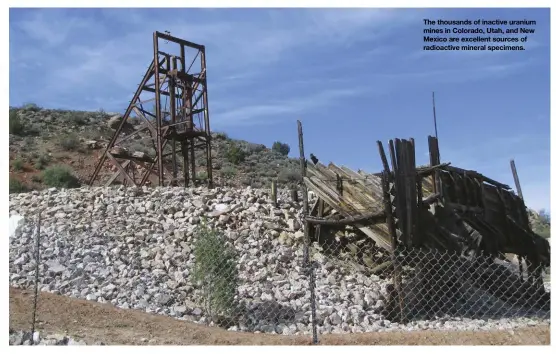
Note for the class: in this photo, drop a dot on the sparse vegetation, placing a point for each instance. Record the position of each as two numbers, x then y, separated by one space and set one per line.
220 135
289 176
69 142
31 107
16 186
60 177
540 222
16 125
236 162
18 164
202 175
215 271
36 178
229 172
281 148
235 154
42 161
255 148
76 118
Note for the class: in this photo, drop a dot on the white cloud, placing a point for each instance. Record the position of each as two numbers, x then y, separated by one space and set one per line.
50 30
98 61
228 113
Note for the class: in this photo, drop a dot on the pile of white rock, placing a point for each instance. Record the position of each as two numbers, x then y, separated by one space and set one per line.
133 247
35 338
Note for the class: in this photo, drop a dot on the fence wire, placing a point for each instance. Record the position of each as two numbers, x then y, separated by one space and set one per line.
263 285
435 291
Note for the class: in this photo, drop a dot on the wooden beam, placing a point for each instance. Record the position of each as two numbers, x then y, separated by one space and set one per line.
370 218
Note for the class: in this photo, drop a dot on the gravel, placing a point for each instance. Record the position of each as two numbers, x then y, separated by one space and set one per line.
133 248
36 338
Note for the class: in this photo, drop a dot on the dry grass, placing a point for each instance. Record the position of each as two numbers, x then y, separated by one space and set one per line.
94 322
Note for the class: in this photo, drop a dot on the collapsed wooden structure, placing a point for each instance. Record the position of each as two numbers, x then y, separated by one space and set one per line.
495 218
434 207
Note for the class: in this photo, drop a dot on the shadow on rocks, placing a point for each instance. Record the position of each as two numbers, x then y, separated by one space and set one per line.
262 316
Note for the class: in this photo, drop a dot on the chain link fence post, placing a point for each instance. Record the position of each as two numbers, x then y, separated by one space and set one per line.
308 263
37 270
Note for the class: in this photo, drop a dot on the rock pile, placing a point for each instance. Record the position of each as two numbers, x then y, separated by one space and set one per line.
134 248
28 338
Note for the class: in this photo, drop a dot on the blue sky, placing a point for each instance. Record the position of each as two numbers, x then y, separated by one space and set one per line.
353 76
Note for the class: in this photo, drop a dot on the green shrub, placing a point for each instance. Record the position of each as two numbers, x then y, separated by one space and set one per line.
60 177
17 164
281 148
255 148
289 175
31 107
16 125
16 186
36 178
235 154
228 171
42 161
69 142
220 135
202 176
76 118
215 271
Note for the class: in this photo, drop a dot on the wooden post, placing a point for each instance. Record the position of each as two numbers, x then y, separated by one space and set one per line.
434 156
393 239
294 195
383 157
274 193
520 194
516 179
304 193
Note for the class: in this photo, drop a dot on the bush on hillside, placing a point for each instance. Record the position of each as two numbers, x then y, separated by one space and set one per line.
228 172
42 161
542 226
202 175
69 142
281 148
16 186
235 154
60 177
255 148
289 176
220 135
17 164
16 125
31 107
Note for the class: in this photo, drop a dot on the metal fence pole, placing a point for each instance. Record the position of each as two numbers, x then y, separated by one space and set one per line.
37 263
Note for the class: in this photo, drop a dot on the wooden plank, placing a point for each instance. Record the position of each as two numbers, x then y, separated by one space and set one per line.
365 218
365 195
330 196
376 233
476 175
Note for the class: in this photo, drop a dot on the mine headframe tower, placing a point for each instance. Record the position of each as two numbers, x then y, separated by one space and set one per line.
170 105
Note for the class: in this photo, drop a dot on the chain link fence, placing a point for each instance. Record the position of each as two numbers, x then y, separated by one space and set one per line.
371 290
340 285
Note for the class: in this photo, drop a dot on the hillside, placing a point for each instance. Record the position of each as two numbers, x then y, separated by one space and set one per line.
45 138
42 138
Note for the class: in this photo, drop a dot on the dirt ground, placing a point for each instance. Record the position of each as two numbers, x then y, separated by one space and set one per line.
94 322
